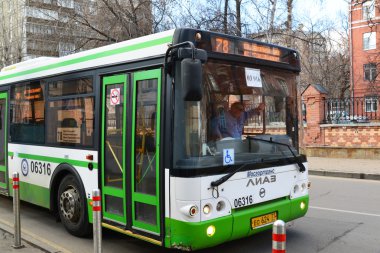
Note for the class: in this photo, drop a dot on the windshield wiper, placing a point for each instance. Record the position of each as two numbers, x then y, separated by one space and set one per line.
223 179
298 161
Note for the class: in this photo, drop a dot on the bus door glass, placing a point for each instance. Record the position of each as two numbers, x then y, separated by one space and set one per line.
145 151
3 140
113 148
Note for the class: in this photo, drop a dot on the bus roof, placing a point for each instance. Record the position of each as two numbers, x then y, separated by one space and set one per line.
153 45
130 50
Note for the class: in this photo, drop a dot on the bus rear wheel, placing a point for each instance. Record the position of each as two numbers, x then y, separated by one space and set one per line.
72 207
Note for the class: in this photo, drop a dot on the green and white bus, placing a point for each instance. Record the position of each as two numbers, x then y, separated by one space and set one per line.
137 120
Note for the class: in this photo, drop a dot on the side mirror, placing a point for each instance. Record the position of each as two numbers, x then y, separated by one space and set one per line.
191 78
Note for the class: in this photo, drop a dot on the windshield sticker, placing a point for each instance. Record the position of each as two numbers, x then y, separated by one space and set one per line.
253 78
228 156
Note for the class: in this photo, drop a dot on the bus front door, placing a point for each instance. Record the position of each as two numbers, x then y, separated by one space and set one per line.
113 152
145 151
3 142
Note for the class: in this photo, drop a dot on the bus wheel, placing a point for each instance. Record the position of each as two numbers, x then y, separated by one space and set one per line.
72 207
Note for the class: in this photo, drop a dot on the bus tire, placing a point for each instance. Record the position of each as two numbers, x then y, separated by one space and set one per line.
72 207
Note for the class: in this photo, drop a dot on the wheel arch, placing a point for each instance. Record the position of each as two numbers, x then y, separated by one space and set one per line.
59 174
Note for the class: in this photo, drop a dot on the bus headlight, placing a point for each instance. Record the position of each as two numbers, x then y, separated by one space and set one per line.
207 209
302 205
210 230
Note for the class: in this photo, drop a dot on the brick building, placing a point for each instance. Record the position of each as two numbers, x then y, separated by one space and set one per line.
364 24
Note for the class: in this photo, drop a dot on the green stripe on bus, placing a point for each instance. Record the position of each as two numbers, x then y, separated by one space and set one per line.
32 193
55 160
94 56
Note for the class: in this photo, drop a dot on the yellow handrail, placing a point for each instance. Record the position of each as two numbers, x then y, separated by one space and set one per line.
114 156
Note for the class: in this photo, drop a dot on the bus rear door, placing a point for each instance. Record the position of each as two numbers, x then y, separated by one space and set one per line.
3 142
130 152
114 151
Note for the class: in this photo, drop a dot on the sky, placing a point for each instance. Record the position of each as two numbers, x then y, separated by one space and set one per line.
330 9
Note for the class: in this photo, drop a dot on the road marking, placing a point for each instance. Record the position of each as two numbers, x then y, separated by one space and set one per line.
38 238
343 211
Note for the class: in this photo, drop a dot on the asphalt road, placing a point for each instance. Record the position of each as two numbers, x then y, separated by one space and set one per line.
344 216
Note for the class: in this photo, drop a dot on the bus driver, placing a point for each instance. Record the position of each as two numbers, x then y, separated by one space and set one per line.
231 123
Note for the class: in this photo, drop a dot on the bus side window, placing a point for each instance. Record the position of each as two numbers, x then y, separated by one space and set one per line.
27 121
71 119
72 122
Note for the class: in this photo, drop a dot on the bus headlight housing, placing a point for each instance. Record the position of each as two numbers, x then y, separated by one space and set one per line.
193 211
220 206
207 209
190 210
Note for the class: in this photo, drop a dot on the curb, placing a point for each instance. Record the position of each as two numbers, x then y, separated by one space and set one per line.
354 175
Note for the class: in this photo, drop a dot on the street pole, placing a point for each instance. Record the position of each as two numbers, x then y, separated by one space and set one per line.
16 211
97 222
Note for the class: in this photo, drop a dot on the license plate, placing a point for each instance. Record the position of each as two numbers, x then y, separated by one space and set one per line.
263 220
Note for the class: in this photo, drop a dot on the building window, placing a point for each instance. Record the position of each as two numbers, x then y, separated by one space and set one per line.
65 48
40 13
371 104
369 41
27 113
370 72
368 10
66 3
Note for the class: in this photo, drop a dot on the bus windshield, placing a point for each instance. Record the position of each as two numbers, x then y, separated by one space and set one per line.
239 102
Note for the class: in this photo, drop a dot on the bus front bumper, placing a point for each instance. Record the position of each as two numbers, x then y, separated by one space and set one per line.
193 235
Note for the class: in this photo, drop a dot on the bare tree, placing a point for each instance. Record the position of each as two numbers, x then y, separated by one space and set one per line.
238 17
225 17
289 22
325 60
108 21
264 19
163 15
11 33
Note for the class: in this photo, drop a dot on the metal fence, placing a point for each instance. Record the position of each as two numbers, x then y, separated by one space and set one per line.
351 110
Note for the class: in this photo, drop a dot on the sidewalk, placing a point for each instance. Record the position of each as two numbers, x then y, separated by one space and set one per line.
7 240
342 167
30 243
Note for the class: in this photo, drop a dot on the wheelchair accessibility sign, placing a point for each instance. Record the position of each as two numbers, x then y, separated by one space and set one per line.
228 156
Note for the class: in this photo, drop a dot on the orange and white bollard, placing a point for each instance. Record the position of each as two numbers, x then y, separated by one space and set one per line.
279 237
97 220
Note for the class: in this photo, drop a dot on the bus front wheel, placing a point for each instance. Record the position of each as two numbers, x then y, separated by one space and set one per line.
72 207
